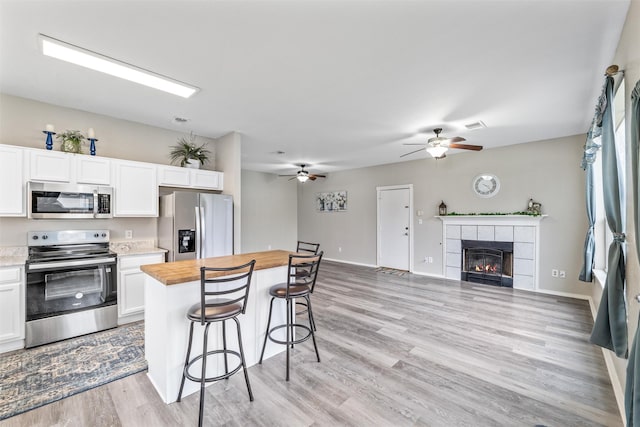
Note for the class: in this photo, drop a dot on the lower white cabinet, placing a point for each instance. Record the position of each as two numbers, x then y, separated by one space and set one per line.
12 306
131 285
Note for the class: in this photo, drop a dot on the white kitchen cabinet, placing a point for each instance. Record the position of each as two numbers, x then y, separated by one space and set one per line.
12 300
210 180
12 178
131 285
55 166
46 165
174 176
92 170
136 189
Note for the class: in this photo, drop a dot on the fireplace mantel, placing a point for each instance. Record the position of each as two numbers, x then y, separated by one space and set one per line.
522 230
491 219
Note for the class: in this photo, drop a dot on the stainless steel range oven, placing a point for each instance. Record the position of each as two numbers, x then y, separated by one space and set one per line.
71 285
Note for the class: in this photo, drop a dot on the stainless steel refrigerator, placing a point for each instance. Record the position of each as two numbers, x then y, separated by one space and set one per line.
195 225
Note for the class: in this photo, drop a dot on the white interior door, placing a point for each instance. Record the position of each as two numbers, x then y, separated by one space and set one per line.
394 227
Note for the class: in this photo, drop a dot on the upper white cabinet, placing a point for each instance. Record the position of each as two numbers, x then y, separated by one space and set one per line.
174 176
93 170
136 188
12 183
45 165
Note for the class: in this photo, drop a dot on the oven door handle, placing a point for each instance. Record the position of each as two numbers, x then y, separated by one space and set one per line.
65 264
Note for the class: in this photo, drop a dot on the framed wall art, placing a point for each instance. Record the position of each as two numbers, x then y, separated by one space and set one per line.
333 201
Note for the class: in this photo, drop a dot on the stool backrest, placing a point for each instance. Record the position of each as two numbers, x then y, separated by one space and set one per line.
310 263
234 283
308 247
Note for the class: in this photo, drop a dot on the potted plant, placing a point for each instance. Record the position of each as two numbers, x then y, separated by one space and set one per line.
188 154
71 141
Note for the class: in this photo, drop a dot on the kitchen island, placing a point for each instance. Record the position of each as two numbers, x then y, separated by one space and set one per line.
171 288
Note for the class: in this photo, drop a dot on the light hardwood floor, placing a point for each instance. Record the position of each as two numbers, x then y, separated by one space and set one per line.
396 351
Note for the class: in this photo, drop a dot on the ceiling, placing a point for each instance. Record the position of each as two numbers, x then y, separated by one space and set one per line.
334 84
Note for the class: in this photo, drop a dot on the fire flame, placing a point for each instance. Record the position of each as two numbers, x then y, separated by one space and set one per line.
487 268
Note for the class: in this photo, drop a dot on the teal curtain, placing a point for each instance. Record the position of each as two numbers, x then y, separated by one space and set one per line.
590 150
632 391
610 328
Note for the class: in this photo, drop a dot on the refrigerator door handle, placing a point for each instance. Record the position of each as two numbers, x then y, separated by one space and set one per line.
203 233
198 232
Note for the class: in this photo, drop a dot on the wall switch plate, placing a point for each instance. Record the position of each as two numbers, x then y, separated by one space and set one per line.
563 274
128 234
554 272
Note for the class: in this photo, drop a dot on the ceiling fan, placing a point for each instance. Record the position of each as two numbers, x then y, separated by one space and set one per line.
303 175
439 145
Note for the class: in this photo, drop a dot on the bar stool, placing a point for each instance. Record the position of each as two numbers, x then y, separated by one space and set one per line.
234 284
294 288
303 274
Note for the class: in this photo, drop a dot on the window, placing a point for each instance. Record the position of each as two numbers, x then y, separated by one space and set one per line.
602 234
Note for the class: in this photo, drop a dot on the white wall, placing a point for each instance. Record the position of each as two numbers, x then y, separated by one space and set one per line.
547 171
269 212
229 160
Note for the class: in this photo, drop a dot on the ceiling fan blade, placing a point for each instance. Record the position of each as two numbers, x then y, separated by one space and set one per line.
312 177
422 149
415 143
280 176
455 139
291 179
315 175
466 147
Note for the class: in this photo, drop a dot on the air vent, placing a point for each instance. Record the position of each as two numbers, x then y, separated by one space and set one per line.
475 125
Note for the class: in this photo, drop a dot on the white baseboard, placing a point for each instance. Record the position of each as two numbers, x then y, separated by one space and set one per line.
436 276
350 262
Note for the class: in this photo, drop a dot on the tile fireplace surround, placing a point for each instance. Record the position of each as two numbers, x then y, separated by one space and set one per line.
522 230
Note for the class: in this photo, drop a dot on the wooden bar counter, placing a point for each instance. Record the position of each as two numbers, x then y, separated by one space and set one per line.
171 288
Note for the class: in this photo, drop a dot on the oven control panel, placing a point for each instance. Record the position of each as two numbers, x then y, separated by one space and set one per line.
66 237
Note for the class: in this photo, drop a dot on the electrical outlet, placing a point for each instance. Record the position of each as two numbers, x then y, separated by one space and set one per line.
128 234
430 260
563 274
269 247
339 248
554 272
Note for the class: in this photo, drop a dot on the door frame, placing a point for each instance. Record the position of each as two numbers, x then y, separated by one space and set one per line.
378 237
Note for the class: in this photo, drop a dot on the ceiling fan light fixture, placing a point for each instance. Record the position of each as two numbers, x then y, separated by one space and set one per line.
97 62
437 151
303 176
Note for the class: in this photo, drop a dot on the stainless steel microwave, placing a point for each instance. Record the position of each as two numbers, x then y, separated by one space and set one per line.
61 201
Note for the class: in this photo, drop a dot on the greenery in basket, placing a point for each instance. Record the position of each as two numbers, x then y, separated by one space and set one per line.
186 149
71 141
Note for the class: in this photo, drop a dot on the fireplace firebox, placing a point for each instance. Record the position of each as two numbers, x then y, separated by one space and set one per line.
487 262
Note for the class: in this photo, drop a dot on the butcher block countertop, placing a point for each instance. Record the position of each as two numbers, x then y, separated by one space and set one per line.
172 273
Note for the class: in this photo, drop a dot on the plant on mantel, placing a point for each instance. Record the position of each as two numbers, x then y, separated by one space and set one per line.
524 213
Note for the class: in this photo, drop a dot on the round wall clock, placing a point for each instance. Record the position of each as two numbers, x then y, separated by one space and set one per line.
486 185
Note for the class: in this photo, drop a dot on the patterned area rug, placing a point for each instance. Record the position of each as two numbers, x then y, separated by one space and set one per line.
34 377
393 271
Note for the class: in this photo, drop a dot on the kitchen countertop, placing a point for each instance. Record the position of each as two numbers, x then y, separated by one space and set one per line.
13 256
172 273
135 247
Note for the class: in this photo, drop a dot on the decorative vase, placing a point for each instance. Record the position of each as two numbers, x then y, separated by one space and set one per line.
71 147
192 164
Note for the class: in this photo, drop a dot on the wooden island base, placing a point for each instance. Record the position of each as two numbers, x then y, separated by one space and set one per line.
171 288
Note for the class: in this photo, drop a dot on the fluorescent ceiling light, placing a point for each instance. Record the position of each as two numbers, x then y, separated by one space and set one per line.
85 58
